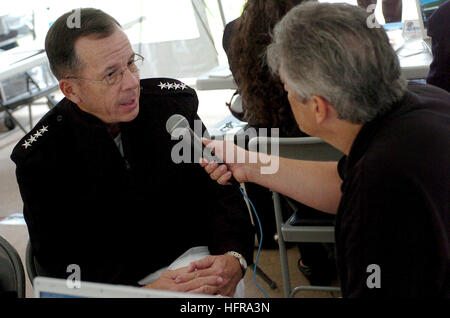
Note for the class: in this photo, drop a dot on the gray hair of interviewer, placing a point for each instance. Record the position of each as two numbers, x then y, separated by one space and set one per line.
329 50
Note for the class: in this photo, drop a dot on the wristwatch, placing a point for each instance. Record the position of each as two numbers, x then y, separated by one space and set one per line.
241 260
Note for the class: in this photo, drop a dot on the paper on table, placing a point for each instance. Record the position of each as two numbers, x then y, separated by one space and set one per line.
396 39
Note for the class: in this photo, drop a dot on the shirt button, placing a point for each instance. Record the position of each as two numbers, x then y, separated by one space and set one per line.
59 118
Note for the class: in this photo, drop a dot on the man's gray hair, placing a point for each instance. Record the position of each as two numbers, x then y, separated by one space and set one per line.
328 50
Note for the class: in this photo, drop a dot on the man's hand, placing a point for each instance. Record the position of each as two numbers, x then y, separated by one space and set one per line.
235 159
225 266
206 284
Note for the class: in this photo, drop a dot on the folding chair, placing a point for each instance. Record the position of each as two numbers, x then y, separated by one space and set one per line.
24 90
301 148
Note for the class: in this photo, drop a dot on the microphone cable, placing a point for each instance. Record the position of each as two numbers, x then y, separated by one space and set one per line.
260 243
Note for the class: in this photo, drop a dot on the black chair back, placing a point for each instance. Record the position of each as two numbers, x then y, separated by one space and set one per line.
12 274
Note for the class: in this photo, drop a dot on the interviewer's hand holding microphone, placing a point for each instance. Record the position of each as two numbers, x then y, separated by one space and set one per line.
233 158
224 172
232 165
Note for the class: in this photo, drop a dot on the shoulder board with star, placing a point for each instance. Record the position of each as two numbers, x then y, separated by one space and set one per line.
46 127
165 86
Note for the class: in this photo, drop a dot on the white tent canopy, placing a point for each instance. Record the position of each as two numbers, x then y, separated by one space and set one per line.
173 35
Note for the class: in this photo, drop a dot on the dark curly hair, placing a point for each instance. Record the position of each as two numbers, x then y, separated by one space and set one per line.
264 99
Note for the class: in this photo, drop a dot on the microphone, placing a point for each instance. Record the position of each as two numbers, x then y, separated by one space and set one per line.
178 121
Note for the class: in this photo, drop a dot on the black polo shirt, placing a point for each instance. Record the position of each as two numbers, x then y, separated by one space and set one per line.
392 226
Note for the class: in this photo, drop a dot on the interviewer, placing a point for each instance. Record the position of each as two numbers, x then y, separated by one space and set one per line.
391 189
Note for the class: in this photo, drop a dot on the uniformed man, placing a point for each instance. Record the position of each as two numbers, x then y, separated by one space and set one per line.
99 187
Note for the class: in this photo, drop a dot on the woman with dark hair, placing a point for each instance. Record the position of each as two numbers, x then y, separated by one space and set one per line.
265 105
245 39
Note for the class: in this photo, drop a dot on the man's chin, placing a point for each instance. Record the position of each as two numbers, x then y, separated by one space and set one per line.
130 112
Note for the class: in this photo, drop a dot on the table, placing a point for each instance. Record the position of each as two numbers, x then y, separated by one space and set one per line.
228 126
219 77
414 60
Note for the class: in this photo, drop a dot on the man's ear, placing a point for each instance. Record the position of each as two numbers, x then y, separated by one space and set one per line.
321 108
70 90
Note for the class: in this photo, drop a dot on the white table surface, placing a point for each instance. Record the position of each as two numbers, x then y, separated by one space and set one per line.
414 60
218 78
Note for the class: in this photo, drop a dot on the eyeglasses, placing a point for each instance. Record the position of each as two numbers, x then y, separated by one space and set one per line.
232 99
116 76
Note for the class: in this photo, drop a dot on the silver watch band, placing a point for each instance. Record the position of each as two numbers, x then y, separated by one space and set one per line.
241 260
